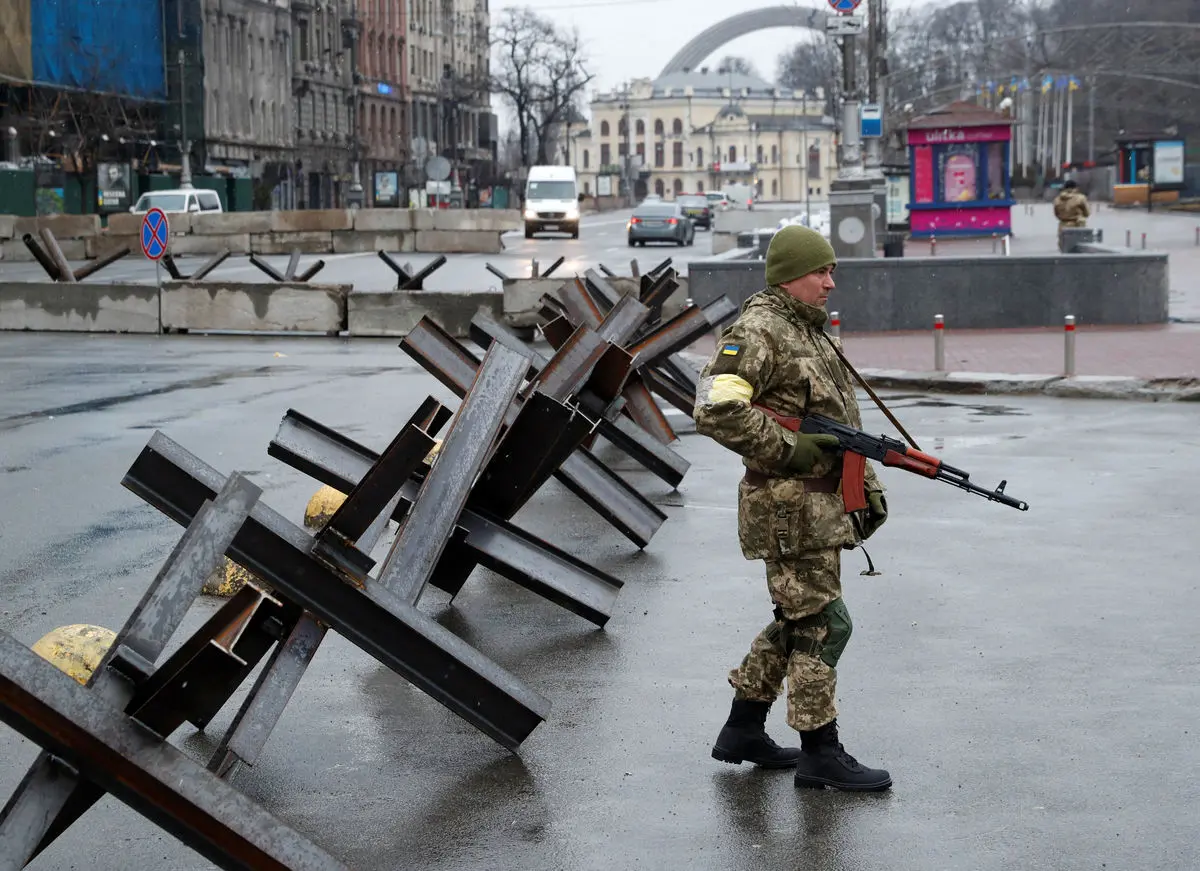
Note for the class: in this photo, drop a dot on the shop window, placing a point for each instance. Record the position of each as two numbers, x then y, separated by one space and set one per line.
958 172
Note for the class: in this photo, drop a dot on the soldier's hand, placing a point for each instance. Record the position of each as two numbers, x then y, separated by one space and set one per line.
877 513
810 450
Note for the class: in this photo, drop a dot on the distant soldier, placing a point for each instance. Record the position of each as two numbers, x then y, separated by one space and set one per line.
1071 206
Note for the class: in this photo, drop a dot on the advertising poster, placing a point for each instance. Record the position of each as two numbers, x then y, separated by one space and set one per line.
387 189
1168 163
113 188
897 201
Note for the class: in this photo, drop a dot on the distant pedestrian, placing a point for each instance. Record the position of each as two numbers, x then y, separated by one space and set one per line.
1071 206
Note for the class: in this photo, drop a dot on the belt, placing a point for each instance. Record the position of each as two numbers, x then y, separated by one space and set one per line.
824 484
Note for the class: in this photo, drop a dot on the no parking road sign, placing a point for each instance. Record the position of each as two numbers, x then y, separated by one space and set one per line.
155 234
844 5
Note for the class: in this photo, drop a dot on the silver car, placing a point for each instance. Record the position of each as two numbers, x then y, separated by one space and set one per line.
660 222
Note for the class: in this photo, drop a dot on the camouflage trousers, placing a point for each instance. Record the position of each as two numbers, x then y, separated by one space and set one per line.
801 586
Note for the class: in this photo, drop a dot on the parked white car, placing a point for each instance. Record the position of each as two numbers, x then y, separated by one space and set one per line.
178 201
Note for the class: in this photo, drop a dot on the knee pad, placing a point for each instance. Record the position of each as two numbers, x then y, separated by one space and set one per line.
837 620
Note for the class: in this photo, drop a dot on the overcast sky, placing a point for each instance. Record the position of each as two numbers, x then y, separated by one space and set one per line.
635 38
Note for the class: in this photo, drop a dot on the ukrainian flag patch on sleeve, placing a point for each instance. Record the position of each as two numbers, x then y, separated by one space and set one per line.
731 350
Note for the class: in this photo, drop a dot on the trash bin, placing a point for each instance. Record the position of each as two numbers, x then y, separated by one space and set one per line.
893 244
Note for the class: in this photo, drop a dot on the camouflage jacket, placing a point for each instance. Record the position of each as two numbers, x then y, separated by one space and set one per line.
1071 208
777 355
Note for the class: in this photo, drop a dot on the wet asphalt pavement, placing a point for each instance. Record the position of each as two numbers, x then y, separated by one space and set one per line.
1028 678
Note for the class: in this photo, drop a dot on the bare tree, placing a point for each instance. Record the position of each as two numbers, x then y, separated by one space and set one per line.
734 64
811 65
540 72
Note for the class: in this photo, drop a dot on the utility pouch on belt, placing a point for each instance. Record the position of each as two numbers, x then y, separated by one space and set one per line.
854 466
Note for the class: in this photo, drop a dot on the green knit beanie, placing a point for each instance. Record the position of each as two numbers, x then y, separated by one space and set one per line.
796 251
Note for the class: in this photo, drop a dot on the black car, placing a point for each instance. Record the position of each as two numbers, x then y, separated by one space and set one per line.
696 207
660 222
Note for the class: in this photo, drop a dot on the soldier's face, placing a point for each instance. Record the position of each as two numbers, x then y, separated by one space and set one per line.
814 288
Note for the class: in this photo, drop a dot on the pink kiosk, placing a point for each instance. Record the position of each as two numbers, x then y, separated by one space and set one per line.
959 181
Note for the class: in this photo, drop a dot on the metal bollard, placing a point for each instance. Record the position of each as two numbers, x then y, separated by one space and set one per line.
933 246
835 325
1198 235
1006 245
939 343
993 243
1143 241
1069 347
1128 238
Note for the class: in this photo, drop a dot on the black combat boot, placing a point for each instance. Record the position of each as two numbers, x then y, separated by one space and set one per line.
744 738
824 762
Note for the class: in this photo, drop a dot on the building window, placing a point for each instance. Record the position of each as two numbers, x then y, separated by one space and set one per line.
677 186
676 154
700 157
814 161
587 189
758 155
733 154
586 157
658 154
677 127
658 127
641 127
699 187
658 186
774 187
605 154
774 155
604 128
620 149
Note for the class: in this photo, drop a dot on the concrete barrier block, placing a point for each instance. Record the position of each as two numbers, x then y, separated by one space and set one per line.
383 220
458 220
235 243
396 312
62 226
8 226
311 242
459 242
125 224
312 220
358 242
89 308
423 219
107 243
14 251
254 307
228 223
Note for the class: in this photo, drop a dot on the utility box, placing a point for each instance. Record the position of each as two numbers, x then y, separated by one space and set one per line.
852 217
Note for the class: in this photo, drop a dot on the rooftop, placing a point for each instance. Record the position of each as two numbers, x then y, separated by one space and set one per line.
958 114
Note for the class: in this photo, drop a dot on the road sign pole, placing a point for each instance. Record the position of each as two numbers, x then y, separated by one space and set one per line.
158 281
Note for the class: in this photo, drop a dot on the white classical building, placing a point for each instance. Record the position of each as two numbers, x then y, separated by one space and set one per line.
698 131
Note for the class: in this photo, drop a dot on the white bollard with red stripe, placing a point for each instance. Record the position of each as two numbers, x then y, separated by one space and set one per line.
1069 347
835 325
939 343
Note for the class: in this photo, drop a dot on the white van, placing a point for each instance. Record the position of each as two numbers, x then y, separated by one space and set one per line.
177 201
552 200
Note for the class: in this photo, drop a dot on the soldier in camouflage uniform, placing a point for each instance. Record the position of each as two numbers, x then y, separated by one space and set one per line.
1071 206
772 366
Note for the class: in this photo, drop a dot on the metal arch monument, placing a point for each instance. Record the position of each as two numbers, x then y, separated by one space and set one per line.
729 29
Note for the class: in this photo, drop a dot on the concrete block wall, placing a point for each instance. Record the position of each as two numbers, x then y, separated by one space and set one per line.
327 231
280 307
971 292
395 313
88 308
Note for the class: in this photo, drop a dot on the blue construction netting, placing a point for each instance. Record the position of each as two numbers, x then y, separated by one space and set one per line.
111 46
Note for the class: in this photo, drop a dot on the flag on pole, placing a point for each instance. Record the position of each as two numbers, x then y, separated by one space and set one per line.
1047 83
1073 84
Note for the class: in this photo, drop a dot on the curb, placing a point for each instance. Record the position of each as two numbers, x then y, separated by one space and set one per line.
1058 386
1078 387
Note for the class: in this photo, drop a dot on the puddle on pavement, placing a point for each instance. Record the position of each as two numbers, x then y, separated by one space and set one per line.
923 401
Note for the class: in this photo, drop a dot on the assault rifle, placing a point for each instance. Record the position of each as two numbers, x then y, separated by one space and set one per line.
858 447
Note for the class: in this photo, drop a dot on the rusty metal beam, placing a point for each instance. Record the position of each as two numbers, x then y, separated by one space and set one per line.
143 771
